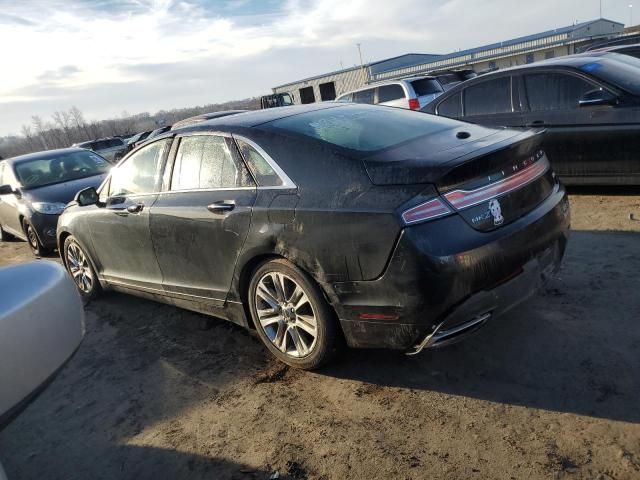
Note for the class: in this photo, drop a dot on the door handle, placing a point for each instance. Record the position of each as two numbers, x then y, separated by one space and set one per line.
537 124
137 208
221 207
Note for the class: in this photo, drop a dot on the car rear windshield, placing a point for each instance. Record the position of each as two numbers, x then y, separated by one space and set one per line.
364 128
620 70
62 168
426 86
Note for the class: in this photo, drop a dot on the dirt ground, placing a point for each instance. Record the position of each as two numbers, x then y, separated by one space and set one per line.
550 391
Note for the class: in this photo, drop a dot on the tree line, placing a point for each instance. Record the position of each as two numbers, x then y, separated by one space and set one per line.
65 128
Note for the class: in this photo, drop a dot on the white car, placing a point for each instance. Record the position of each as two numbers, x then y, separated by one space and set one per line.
413 93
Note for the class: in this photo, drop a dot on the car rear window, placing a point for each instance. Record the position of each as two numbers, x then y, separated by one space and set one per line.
426 86
363 128
620 70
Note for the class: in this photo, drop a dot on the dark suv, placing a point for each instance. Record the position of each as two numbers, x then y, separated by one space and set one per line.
589 105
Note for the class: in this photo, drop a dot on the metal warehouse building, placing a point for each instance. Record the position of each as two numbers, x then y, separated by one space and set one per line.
553 43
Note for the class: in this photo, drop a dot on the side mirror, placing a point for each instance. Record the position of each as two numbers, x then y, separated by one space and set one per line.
6 190
598 97
86 197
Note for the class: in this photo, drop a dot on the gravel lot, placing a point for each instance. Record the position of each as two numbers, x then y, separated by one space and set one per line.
550 391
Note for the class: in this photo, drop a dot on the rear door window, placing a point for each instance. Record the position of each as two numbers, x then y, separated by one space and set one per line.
364 96
426 86
555 91
206 162
488 97
389 93
451 107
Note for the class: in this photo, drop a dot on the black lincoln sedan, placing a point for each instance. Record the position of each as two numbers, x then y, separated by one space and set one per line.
35 188
386 227
589 105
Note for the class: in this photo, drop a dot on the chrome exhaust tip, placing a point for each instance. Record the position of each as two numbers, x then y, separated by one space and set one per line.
441 337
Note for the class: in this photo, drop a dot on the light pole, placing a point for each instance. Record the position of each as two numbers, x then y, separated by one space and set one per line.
630 15
600 8
364 77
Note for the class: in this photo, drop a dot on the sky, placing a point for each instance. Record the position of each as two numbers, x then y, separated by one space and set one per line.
111 56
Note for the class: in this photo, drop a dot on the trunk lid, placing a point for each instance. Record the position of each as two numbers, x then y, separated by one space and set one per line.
490 177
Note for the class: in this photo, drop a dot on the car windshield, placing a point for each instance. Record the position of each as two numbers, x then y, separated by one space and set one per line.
364 128
61 168
620 70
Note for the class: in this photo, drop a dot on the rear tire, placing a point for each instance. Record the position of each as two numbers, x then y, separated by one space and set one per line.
291 315
33 241
80 267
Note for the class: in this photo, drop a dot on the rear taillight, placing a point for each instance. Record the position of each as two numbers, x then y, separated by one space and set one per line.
430 210
414 104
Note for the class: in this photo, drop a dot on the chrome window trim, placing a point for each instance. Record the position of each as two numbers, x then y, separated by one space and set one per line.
287 183
204 190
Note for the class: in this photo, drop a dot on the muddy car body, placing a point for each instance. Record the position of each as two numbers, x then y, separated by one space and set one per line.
400 230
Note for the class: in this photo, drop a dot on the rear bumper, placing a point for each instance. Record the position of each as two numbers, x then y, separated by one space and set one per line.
444 277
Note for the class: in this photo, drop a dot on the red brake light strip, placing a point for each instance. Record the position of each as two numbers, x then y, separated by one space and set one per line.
460 199
426 211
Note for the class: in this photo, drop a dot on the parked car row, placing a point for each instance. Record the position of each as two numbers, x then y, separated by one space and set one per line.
112 149
589 105
413 93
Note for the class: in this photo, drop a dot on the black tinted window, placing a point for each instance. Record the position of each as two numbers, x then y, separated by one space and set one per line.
364 96
486 98
426 86
205 161
555 91
451 107
388 93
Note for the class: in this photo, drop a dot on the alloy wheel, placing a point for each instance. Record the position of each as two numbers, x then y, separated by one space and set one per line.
33 239
286 314
79 268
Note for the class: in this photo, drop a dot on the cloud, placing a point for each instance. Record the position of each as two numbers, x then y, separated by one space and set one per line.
110 55
8 19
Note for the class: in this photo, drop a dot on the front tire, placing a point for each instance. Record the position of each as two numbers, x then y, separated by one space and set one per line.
291 315
81 269
32 238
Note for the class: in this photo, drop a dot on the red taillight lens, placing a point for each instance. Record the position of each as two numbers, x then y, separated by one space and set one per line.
435 208
414 104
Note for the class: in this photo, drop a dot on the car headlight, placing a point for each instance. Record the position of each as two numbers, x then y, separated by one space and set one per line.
49 208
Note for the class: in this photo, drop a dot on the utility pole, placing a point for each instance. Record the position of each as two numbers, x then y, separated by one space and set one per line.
364 76
600 8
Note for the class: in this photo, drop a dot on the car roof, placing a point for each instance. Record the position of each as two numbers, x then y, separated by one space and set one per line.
616 48
203 117
253 118
44 155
